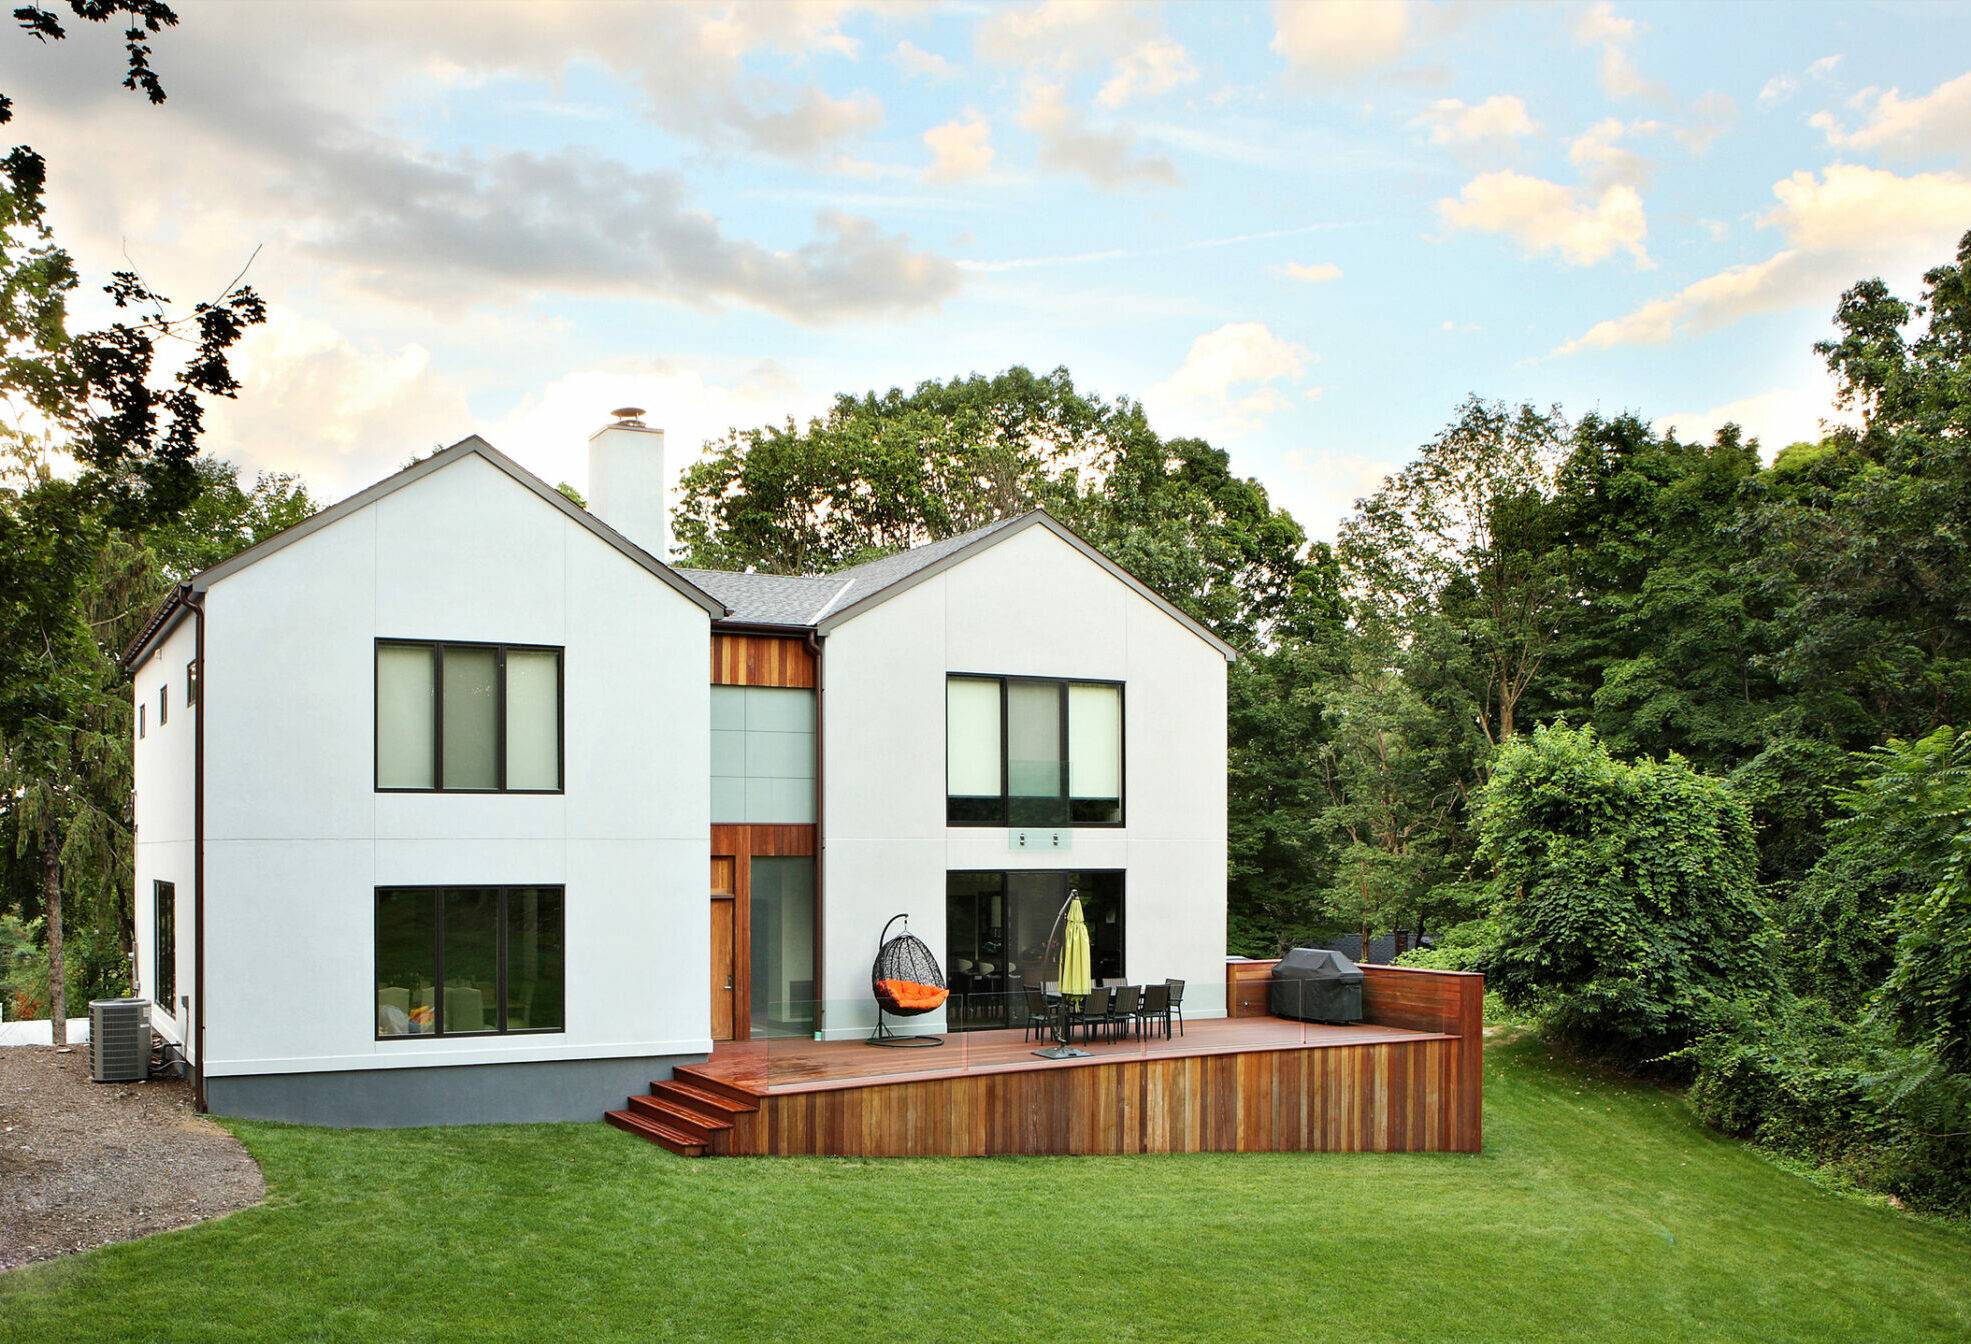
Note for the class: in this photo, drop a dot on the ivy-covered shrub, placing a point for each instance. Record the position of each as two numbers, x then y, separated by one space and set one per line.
1462 947
1626 903
1792 787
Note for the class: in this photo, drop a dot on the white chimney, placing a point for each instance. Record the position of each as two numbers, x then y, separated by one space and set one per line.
626 481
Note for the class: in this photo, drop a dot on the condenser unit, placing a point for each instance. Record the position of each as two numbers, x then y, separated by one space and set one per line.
119 1040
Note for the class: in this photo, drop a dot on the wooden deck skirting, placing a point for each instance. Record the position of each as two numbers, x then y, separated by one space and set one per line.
1407 1080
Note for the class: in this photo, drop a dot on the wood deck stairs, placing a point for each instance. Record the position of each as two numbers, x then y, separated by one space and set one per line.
694 1115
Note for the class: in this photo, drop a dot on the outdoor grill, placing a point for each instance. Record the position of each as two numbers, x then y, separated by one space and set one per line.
1313 984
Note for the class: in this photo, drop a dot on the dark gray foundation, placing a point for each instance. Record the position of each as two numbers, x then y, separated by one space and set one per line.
457 1094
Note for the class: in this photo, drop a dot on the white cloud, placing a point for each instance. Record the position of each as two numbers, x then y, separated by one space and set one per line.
1603 160
1340 39
1060 37
960 150
1157 66
1777 90
1582 227
1313 272
1824 67
1599 25
1712 115
340 414
1229 383
922 64
1776 418
1845 223
1501 118
1936 124
1068 143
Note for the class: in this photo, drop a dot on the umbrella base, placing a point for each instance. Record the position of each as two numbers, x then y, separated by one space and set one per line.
1062 1052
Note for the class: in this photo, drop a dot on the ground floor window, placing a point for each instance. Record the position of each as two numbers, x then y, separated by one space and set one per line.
997 926
164 937
462 961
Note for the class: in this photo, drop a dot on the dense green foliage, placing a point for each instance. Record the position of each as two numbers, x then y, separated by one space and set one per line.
1627 909
1599 1210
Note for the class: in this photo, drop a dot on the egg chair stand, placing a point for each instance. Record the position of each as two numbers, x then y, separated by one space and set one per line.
907 982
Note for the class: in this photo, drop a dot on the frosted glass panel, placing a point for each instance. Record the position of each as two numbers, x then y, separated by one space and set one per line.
762 754
972 741
471 724
533 695
404 729
1094 742
1033 739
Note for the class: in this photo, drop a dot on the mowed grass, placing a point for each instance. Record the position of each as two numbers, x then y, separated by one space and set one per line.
1599 1211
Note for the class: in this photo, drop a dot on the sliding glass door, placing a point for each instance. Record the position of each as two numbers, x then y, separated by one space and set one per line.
997 930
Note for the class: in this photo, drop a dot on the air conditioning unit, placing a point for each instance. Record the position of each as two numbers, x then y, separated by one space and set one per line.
119 1040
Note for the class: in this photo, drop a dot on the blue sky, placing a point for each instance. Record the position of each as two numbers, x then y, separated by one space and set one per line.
1304 231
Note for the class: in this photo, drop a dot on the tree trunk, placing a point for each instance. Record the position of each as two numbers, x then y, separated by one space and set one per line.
51 904
1365 943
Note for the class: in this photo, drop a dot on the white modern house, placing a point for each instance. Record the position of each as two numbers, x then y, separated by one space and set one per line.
457 803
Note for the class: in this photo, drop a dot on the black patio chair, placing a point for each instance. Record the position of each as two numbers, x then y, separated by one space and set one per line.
1094 1012
1154 1008
1176 988
1123 1011
1040 1016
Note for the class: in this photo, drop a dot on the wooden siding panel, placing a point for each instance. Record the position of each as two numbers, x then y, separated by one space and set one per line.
760 660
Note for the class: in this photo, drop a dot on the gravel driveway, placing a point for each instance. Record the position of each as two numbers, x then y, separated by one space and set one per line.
83 1164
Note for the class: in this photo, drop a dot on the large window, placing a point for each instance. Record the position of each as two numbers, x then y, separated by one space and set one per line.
164 945
997 931
1021 751
468 718
466 961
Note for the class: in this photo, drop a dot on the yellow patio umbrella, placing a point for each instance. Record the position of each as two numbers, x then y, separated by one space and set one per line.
1076 955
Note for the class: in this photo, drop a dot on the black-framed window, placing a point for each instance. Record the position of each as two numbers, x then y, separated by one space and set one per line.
191 682
164 946
140 718
469 961
164 704
454 717
998 925
1033 751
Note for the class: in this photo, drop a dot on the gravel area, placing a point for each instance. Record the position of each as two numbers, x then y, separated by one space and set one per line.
83 1164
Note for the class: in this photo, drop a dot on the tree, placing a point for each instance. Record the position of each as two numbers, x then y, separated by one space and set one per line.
1458 545
132 429
1624 896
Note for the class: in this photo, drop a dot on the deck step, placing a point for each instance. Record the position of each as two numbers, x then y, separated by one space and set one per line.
699 1127
660 1134
687 1096
748 1097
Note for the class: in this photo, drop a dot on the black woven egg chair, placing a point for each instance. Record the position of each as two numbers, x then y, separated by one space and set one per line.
907 982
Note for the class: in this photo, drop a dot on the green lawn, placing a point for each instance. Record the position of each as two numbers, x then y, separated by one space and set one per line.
1599 1210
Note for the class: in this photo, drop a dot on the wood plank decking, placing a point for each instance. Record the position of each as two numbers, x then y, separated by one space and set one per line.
1407 1081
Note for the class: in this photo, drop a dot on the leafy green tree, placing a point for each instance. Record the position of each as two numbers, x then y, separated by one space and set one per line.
1626 905
132 428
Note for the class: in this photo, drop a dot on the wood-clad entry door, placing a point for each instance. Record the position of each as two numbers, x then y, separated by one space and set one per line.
725 949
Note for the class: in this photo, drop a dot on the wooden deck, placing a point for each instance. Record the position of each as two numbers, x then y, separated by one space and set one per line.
1406 1080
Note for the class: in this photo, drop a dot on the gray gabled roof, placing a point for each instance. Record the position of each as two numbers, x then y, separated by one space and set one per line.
470 446
769 599
821 602
880 580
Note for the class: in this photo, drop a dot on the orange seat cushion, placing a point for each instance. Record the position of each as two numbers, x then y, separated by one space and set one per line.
907 994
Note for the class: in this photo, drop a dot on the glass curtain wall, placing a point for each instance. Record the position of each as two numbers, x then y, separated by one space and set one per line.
997 928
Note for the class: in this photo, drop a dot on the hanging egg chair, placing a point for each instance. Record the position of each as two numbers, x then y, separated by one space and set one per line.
906 982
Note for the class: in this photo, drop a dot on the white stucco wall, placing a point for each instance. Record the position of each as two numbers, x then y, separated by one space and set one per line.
163 761
297 838
1031 605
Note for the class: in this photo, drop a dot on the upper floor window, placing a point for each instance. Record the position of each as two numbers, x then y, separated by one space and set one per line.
471 718
1026 751
164 704
191 682
140 719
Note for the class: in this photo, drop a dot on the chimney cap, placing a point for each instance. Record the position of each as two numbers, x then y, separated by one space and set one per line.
628 415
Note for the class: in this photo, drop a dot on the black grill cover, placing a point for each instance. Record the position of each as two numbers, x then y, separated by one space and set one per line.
1313 984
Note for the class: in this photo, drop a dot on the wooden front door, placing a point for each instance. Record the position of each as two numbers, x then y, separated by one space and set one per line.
725 946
